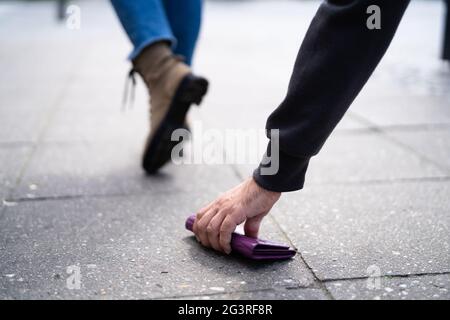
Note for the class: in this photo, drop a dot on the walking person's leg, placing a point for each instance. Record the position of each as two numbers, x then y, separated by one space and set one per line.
446 46
171 84
184 17
145 22
337 57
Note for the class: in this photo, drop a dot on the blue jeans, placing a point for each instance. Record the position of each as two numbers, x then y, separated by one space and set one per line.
150 21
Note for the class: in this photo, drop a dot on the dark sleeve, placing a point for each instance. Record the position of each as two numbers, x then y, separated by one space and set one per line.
335 60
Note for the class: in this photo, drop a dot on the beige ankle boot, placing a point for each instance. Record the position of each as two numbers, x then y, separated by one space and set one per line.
173 88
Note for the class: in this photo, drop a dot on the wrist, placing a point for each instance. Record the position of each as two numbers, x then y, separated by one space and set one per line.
274 195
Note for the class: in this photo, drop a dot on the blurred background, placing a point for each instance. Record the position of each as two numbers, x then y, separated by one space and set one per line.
70 176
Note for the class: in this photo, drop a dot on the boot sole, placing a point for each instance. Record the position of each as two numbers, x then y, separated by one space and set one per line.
158 152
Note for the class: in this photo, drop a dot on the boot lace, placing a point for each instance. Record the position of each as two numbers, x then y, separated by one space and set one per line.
129 93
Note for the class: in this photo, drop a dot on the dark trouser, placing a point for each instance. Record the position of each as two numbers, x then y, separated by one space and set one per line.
336 58
446 49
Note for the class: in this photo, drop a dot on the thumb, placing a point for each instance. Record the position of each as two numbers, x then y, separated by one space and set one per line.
251 226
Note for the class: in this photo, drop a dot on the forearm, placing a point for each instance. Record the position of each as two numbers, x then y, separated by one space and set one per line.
336 58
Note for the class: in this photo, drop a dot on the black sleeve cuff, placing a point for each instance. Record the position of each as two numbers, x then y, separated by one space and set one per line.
290 175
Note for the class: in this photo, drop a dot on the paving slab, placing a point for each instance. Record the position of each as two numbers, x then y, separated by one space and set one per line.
126 247
363 156
410 89
271 294
433 144
403 109
12 159
75 169
21 124
343 231
434 287
33 81
98 124
250 115
41 67
133 246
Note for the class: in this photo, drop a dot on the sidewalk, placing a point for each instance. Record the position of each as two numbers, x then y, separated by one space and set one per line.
376 201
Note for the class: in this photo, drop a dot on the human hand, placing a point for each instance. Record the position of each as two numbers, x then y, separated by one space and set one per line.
215 223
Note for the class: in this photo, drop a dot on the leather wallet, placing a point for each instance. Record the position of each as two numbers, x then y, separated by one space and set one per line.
255 249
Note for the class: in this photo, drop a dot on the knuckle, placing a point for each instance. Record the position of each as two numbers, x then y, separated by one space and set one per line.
199 215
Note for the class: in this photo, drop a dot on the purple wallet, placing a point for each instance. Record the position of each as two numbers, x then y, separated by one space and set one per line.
255 249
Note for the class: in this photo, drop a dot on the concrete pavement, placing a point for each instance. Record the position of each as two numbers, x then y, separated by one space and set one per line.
372 222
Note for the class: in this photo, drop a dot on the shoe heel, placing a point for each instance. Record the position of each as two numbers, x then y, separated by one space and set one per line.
194 89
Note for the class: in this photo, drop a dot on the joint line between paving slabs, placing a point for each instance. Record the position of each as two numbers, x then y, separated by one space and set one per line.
381 181
2 212
51 113
384 134
237 173
390 276
86 196
214 294
316 279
